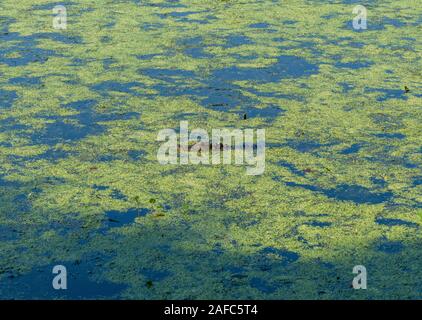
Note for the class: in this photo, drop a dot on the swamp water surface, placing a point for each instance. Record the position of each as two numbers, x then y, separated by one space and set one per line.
80 184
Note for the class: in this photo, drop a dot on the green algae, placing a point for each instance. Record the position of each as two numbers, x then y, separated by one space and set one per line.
207 221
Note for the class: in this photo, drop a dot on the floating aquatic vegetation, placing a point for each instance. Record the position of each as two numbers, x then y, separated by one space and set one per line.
79 180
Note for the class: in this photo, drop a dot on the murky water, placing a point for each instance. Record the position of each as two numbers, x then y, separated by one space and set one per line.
80 184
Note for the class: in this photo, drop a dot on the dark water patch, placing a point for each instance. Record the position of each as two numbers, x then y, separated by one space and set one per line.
289 22
118 195
147 26
354 44
235 269
318 224
353 65
210 18
259 25
99 187
25 56
285 67
69 225
236 273
88 117
6 36
116 219
393 22
81 105
330 16
222 95
395 222
390 247
198 21
292 168
217 92
379 182
75 8
217 250
38 284
7 98
275 145
235 40
51 5
399 136
197 53
262 285
389 94
306 145
112 64
106 39
108 62
136 154
5 23
386 159
194 47
59 37
5 144
59 131
409 39
346 87
168 75
354 148
357 194
417 181
22 203
110 24
22 50
224 100
8 233
269 113
387 120
8 183
147 56
155 275
25 81
279 39
77 62
344 192
310 214
347 41
213 95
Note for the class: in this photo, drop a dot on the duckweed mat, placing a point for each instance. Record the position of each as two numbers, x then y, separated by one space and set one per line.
80 184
